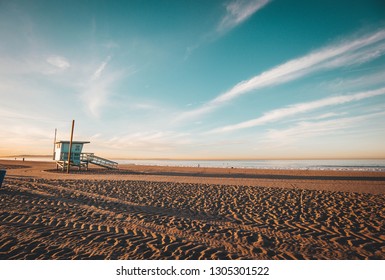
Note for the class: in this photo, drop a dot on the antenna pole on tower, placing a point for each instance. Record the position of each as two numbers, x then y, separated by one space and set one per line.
70 147
54 143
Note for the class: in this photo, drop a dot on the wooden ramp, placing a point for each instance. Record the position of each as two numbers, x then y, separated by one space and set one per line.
91 158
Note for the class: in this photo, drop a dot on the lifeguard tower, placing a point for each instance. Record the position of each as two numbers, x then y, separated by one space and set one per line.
78 159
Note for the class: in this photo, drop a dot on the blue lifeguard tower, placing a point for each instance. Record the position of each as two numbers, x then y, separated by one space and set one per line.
78 159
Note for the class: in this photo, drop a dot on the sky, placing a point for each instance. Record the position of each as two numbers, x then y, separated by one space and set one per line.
192 79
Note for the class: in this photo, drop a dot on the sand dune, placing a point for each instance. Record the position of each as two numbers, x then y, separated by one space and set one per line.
44 215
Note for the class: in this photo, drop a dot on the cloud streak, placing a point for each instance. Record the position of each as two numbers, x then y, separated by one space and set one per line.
59 62
361 50
282 113
311 129
97 89
100 69
150 140
239 11
347 53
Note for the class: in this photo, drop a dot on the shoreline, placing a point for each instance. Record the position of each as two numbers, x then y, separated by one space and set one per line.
330 180
370 165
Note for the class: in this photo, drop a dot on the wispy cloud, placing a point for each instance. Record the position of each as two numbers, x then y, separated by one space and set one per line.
100 69
111 45
305 129
361 82
238 11
59 62
150 140
361 49
97 90
31 64
324 116
347 53
292 110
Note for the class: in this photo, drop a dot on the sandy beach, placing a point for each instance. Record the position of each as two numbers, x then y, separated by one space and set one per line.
149 212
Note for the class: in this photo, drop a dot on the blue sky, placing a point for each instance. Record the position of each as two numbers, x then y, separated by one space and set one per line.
194 79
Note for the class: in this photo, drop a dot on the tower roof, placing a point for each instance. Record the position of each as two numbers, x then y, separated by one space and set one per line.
73 142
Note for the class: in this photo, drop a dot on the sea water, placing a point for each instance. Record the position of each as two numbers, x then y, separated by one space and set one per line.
353 165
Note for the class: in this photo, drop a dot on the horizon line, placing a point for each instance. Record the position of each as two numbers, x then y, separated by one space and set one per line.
218 159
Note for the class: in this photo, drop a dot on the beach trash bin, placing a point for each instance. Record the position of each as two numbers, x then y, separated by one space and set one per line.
2 175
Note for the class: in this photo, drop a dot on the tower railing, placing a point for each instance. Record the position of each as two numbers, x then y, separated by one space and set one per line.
91 158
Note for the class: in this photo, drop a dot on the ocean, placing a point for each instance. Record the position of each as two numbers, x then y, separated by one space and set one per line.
356 165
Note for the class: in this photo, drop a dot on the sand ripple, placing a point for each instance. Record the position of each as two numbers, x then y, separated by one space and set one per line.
107 219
